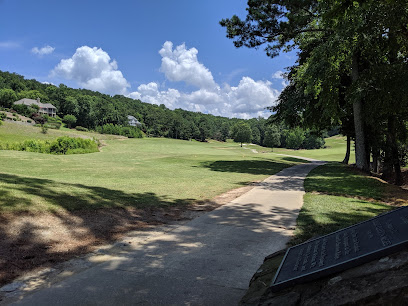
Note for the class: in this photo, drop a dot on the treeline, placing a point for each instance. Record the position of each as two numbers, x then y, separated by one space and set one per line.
106 114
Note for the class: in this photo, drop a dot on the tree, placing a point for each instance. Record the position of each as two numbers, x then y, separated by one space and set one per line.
295 138
241 132
272 137
7 97
338 38
69 120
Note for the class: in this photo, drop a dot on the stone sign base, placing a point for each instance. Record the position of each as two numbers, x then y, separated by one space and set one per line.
380 282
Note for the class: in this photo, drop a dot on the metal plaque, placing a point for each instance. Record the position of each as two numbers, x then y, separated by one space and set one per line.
343 249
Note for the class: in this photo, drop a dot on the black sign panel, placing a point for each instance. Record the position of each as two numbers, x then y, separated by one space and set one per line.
344 249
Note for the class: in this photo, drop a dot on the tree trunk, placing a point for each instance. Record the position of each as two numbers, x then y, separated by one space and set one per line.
361 156
376 155
394 149
347 157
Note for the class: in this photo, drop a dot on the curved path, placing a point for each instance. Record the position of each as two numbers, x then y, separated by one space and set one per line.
207 261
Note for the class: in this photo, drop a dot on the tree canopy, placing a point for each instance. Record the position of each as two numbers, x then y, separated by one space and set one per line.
351 67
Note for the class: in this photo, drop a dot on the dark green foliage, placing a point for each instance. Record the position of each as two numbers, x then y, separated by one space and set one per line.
25 110
241 132
7 97
272 137
38 119
70 120
61 145
81 128
69 145
128 131
351 69
312 141
295 138
44 129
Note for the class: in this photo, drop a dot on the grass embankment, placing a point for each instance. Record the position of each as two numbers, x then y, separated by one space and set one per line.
338 196
127 172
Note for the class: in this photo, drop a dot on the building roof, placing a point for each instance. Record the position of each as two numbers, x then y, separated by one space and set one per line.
29 102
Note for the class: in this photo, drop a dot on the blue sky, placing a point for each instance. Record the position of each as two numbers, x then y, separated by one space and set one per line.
170 52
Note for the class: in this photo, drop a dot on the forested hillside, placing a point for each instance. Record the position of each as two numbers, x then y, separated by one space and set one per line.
93 110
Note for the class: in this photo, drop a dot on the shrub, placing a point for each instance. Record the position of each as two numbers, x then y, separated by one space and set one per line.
29 121
313 142
69 120
14 119
81 128
294 138
38 118
69 145
53 125
44 129
128 131
61 145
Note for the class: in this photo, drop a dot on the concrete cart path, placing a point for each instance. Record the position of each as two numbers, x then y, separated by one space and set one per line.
207 261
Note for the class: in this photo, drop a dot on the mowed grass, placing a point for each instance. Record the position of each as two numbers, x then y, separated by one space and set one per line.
14 132
127 172
338 196
335 150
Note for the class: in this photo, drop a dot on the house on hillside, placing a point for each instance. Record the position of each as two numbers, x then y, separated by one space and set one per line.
133 121
44 108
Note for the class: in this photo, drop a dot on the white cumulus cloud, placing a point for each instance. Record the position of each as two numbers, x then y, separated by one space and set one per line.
150 93
93 69
43 51
181 64
247 100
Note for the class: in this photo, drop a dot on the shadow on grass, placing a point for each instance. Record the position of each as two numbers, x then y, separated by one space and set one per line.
338 179
295 160
262 166
28 239
74 196
307 227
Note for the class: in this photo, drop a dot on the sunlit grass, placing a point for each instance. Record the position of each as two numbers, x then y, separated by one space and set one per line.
128 172
335 150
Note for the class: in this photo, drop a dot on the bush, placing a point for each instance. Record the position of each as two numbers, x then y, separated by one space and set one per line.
69 145
313 142
81 128
128 131
69 120
294 138
53 125
61 145
38 119
29 121
53 122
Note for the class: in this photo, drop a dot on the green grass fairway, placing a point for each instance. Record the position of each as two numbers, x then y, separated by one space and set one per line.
127 172
335 150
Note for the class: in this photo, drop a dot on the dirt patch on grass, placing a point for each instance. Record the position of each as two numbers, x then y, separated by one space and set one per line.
34 241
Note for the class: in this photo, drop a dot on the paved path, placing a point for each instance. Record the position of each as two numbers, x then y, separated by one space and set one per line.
207 261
